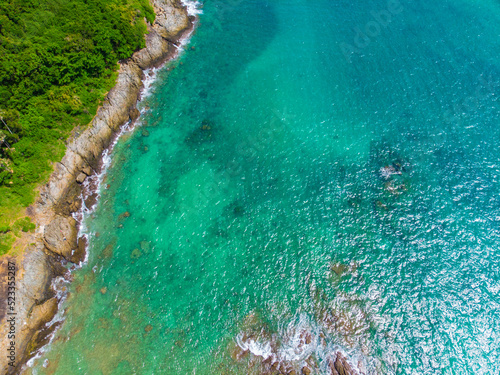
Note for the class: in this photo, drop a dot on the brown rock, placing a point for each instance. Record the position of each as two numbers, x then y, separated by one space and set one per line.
148 328
91 200
81 177
103 290
87 170
60 236
333 370
134 113
75 206
80 251
306 370
341 366
157 49
43 313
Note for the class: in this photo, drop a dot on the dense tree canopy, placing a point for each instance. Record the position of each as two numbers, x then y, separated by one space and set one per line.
57 60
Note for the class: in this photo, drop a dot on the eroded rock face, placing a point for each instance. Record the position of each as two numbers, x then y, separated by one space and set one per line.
43 313
33 276
171 18
154 53
60 236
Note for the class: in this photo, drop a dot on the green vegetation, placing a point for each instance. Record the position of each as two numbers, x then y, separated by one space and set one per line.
9 233
58 58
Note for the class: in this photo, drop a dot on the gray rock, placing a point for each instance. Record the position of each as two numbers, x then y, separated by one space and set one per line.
157 49
171 18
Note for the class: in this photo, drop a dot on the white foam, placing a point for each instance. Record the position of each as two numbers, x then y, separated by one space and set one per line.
59 284
147 83
291 346
193 7
263 350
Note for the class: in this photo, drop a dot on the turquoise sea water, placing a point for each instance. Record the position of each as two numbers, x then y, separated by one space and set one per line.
299 189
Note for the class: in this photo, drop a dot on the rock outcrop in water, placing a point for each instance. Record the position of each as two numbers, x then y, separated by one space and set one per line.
56 239
300 350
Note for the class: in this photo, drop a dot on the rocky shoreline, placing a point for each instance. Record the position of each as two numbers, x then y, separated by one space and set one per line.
55 243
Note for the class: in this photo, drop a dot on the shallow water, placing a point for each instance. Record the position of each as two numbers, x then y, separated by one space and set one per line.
297 190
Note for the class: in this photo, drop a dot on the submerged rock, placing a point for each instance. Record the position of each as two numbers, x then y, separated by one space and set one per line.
136 253
145 246
201 134
338 268
389 170
394 187
107 252
237 353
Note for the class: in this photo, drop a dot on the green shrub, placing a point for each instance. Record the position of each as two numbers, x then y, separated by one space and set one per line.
24 224
57 60
6 241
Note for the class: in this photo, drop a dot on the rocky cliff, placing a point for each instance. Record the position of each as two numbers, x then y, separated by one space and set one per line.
56 242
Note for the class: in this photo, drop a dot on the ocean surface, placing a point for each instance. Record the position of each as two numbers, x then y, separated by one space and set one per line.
309 178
